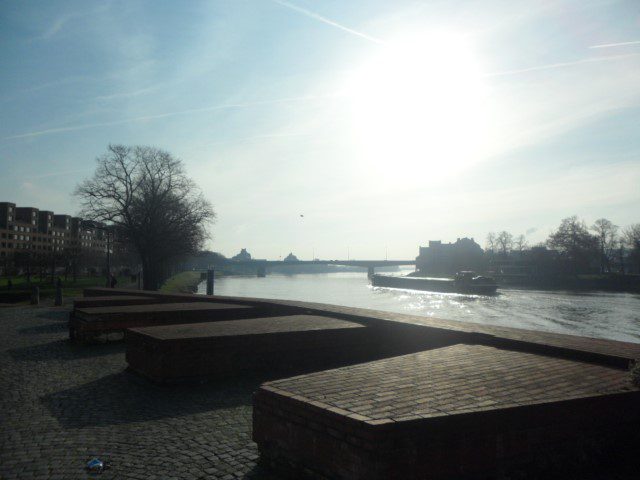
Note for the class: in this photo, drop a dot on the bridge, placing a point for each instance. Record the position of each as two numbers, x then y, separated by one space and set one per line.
261 265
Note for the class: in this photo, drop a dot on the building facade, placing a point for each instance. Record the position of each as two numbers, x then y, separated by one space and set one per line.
29 236
448 258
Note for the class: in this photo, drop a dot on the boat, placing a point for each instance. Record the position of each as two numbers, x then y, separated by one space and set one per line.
465 282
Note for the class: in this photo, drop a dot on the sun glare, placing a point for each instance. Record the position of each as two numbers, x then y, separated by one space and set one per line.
418 107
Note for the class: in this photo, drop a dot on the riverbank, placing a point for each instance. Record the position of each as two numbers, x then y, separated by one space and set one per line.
184 282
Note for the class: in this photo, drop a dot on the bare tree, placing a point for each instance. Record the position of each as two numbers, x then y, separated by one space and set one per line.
145 194
607 234
491 242
631 237
520 243
504 240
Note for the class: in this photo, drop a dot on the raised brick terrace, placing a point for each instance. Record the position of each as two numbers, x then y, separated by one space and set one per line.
224 349
463 409
87 323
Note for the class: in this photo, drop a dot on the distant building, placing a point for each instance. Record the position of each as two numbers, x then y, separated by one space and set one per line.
448 258
242 256
291 258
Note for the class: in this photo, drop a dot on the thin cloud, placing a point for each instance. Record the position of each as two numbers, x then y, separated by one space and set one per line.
552 66
136 93
328 21
123 121
620 44
55 27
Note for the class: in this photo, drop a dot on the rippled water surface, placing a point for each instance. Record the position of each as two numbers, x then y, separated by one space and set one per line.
606 315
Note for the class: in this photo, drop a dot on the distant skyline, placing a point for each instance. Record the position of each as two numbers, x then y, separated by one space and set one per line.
385 124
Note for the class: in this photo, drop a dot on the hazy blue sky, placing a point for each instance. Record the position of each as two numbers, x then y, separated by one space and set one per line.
385 123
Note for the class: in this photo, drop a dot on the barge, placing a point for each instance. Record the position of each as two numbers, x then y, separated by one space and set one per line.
463 282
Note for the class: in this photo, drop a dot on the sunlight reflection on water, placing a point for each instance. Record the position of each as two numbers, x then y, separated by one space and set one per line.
605 315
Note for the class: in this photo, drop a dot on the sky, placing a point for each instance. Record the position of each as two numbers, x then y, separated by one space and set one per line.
335 128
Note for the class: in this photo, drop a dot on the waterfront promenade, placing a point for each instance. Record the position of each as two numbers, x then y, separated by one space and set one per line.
64 403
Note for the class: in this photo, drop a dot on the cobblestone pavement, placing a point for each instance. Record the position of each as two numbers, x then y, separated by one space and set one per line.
62 404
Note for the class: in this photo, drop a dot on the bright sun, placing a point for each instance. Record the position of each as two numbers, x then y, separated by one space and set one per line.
418 108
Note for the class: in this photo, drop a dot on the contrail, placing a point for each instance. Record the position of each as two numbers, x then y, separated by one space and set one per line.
559 65
164 115
621 44
56 174
328 21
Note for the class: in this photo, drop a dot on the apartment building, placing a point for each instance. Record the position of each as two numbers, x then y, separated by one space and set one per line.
41 232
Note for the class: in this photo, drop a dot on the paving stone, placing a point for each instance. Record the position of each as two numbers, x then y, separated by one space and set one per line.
69 403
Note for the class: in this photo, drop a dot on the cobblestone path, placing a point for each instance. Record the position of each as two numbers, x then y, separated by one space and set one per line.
62 404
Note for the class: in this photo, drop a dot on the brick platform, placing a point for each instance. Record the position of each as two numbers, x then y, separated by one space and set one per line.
275 346
442 413
86 324
112 301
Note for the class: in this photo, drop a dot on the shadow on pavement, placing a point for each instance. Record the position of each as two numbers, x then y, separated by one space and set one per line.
40 329
261 472
63 350
125 397
61 314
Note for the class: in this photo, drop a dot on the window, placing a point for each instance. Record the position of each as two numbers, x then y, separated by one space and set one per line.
10 218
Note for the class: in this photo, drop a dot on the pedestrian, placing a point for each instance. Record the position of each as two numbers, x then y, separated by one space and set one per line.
113 281
9 284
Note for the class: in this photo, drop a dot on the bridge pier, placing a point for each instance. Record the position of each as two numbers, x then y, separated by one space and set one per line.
261 271
370 271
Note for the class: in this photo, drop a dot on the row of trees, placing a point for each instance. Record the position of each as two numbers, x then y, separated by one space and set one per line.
504 242
603 244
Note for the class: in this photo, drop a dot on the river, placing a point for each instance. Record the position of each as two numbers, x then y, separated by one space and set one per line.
598 314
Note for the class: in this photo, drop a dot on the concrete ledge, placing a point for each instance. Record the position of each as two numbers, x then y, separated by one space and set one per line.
445 413
86 324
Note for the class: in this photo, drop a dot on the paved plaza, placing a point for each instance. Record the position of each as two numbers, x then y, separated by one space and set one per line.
63 404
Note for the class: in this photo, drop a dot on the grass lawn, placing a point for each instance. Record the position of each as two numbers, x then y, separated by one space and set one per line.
48 289
184 282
